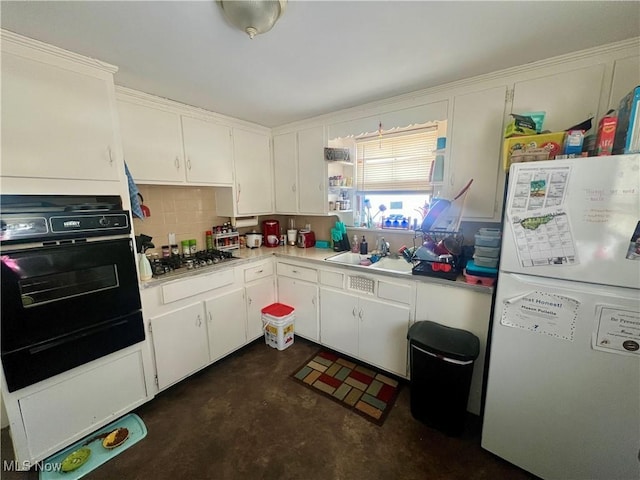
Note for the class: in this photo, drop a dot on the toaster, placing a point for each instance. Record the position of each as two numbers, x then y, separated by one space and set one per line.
306 239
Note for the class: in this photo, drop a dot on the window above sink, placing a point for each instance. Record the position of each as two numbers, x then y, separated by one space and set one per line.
397 173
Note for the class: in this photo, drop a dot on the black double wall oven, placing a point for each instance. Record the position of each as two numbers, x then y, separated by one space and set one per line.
69 284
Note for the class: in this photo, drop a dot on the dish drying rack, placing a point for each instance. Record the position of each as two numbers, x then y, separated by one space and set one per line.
449 270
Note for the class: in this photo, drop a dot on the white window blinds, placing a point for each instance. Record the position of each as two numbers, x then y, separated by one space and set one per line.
397 162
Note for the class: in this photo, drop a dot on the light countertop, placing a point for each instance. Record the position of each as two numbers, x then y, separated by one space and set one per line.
314 256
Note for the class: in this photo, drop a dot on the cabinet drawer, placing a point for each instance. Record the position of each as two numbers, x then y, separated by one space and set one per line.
257 272
295 271
332 279
193 286
395 292
107 391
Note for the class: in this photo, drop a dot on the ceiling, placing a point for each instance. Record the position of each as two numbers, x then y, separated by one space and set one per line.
321 56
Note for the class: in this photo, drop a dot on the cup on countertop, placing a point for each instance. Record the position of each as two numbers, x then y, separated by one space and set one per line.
292 236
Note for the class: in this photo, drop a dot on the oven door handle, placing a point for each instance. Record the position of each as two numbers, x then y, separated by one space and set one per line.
71 338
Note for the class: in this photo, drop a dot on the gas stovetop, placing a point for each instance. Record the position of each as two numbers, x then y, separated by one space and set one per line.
178 264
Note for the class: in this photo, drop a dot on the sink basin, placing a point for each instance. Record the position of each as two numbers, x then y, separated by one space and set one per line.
347 258
397 265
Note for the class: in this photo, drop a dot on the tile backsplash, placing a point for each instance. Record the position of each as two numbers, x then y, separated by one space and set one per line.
190 211
186 211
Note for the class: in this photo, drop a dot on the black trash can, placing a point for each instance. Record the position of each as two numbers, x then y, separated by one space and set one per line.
442 360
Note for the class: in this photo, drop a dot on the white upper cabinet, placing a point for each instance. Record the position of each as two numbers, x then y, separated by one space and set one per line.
162 146
300 172
312 171
567 98
285 172
626 76
475 143
253 184
208 151
58 114
152 143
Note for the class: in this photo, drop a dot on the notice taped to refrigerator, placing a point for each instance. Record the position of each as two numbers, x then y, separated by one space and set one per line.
540 312
538 217
616 330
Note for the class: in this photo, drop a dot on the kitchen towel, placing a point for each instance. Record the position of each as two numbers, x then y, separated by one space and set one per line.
136 209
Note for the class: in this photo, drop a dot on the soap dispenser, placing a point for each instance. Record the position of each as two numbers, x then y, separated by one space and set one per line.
355 246
364 246
145 267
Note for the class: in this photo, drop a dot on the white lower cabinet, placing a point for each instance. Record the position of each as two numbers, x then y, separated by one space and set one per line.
227 320
259 294
303 296
339 321
188 339
180 343
370 329
461 308
201 319
298 288
72 405
382 338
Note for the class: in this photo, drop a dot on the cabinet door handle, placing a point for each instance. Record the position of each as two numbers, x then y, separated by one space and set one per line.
199 322
360 314
238 194
313 301
320 187
353 312
293 187
260 271
249 300
294 271
188 163
210 317
177 163
110 155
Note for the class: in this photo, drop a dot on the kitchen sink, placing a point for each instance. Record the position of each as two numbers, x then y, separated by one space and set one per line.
347 258
389 264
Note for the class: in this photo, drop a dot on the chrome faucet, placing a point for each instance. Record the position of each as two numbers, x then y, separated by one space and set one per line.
384 247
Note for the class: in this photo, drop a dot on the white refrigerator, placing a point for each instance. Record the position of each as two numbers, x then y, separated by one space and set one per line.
563 387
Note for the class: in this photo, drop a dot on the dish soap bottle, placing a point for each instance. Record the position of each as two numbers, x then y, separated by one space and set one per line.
364 246
355 247
145 267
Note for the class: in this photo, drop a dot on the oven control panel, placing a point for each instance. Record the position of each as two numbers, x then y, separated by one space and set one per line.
20 227
35 227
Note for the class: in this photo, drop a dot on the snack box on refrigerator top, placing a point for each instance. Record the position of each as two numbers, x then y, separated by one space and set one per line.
606 135
551 142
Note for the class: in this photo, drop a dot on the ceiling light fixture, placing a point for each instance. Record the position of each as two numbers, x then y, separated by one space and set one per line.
253 16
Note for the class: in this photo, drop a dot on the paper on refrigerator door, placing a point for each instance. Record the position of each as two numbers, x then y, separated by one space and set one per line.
544 238
538 217
536 188
616 330
540 312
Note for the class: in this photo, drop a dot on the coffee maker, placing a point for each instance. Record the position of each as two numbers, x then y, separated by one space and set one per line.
271 233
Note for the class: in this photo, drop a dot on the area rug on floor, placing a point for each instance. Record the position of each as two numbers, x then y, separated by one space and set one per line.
359 388
94 450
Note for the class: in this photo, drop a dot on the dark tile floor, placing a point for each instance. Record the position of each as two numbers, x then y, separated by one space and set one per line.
243 418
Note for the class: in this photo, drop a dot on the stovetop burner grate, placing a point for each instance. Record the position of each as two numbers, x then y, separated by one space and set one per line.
180 263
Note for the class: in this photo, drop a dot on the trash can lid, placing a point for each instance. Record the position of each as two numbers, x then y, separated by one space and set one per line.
446 341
